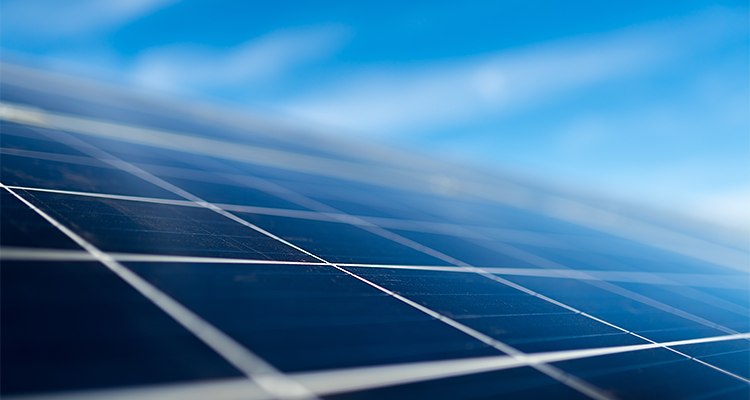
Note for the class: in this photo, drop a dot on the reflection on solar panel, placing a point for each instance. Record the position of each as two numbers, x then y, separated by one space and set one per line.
152 251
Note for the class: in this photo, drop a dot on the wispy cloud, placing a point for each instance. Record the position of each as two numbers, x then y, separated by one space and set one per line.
427 95
52 19
729 207
184 67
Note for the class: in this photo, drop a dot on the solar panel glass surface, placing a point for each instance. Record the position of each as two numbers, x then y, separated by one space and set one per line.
149 252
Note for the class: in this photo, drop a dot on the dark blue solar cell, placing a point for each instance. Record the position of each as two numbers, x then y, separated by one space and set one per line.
136 227
507 314
78 326
627 313
303 317
740 297
738 391
21 226
730 355
465 251
367 205
737 319
655 373
339 242
653 260
19 137
362 201
97 177
223 191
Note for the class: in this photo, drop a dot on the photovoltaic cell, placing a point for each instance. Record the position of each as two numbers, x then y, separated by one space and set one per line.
659 373
133 227
78 326
513 317
325 240
96 177
309 317
22 227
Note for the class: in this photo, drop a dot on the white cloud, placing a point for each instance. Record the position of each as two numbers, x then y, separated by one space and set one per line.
730 207
396 100
188 67
51 19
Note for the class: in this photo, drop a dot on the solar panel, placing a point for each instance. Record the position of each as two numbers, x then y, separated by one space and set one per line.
152 250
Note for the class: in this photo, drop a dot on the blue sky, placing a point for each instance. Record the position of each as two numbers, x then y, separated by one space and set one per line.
649 103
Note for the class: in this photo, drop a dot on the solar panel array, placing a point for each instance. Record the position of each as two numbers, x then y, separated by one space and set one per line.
149 251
